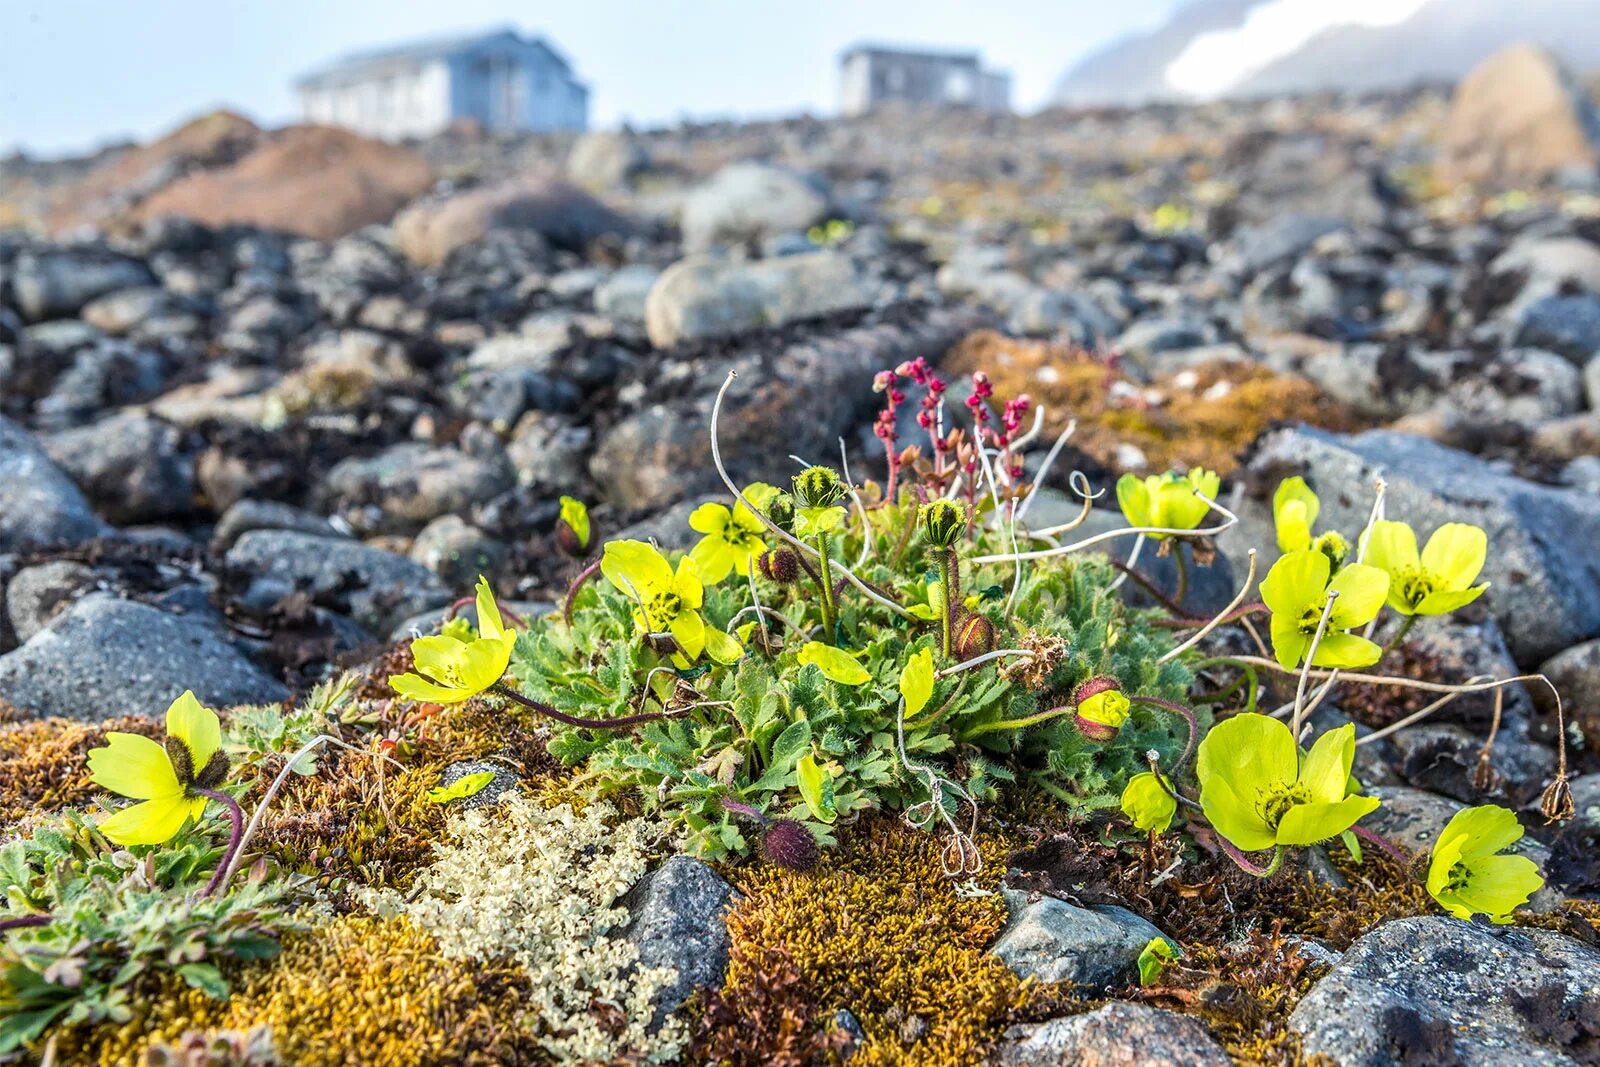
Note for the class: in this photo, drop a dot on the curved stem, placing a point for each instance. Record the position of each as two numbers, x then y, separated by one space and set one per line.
577 584
1372 837
1187 714
1244 863
25 923
572 720
1019 724
235 838
1196 638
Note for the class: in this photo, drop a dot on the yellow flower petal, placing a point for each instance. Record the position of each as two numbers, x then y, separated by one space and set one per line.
1308 824
835 663
1133 496
415 687
1326 769
1362 591
722 647
149 822
916 681
1392 546
1288 643
489 622
196 726
1346 650
1296 582
636 568
689 630
714 558
134 766
1455 554
709 518
686 583
1444 601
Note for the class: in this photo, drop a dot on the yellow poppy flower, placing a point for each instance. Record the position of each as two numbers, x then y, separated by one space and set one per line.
1439 579
164 779
1296 590
451 670
666 601
1167 501
1468 876
732 536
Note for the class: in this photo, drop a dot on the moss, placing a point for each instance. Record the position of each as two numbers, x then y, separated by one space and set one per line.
1208 416
356 990
44 766
880 930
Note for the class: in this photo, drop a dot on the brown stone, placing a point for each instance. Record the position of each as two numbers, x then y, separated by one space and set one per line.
563 214
314 181
1518 116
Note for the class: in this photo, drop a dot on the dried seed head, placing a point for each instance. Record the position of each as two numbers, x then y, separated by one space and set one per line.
790 845
1555 804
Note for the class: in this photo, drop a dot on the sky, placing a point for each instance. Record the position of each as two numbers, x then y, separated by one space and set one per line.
78 73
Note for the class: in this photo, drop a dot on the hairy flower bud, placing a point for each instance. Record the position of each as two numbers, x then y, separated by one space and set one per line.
1102 708
973 636
779 565
1333 545
819 487
790 845
780 509
944 522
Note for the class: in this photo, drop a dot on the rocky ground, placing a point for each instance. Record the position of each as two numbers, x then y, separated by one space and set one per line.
245 448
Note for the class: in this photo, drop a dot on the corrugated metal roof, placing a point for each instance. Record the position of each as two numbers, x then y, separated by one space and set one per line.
357 65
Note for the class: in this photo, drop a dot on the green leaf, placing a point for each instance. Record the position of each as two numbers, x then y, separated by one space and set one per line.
206 978
1154 959
793 741
816 789
1353 843
461 788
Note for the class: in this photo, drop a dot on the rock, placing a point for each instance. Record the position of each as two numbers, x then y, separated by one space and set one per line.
431 621
1545 593
746 202
1566 325
504 783
1117 1035
602 160
1275 242
55 285
246 515
1575 672
315 181
107 374
1414 818
677 921
411 484
39 505
133 467
562 214
621 297
374 587
106 657
700 297
1053 941
1591 381
458 552
1146 340
1439 990
1549 266
1518 116
125 310
551 451
37 594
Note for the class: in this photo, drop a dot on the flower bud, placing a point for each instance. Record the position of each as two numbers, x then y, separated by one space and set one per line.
780 509
790 845
819 487
1333 545
567 539
1102 708
779 565
973 636
944 522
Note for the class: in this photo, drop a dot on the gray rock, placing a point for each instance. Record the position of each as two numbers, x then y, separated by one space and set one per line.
1117 1035
504 783
678 921
247 515
1275 242
1591 381
377 588
53 285
121 312
134 467
749 201
1575 672
621 297
1583 474
409 485
37 594
1436 986
602 160
1545 590
1547 265
551 451
458 552
106 657
39 505
1053 941
431 621
1146 340
108 374
1567 325
701 297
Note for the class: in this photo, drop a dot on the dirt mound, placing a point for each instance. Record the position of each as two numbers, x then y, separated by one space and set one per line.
315 181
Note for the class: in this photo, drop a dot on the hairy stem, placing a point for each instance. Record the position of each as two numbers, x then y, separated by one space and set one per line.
572 720
948 592
1187 714
577 584
825 565
1183 574
25 923
1244 863
219 880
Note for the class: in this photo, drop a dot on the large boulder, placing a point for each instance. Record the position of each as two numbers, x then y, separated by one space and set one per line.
745 202
562 214
701 297
57 284
1437 990
39 505
106 657
314 181
133 466
376 588
1545 590
1519 116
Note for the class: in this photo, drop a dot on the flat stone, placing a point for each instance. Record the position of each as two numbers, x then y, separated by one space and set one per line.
107 657
53 285
1438 990
1054 941
37 594
1117 1035
413 484
678 921
701 297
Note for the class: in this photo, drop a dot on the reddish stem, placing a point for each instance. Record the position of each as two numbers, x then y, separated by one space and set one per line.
572 720
1188 716
236 835
26 922
1394 851
577 584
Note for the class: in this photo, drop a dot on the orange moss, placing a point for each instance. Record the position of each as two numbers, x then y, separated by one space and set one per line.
44 763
